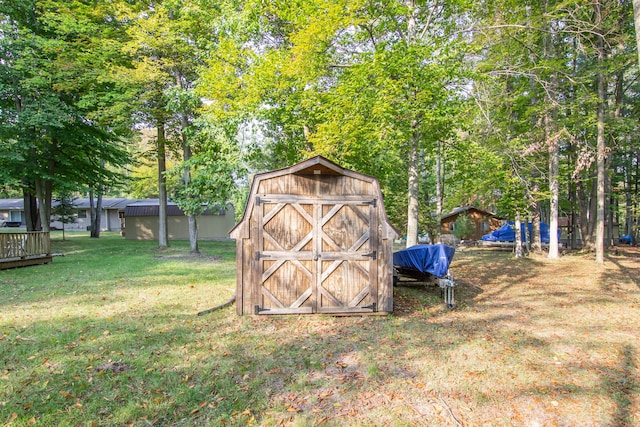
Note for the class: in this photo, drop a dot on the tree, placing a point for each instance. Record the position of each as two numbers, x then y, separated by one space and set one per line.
54 81
369 85
168 40
464 228
64 211
553 72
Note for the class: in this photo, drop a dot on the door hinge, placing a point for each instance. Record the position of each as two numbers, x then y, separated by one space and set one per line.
373 306
373 255
258 310
259 255
373 203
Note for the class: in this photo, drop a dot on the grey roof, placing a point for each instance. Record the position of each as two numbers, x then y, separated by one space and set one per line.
11 204
118 203
131 207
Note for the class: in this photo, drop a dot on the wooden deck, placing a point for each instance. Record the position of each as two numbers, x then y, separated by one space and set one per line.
24 248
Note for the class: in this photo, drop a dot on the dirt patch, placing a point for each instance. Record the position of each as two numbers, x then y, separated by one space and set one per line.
189 257
115 367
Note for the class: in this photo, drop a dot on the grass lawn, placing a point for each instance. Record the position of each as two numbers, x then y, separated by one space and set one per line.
107 335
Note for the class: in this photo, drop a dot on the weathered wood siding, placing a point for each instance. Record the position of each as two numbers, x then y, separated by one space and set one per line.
314 242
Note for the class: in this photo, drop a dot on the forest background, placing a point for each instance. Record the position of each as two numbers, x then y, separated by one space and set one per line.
525 108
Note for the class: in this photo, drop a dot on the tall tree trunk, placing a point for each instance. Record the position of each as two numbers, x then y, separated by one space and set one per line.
31 215
92 213
518 230
571 226
413 191
186 155
95 213
439 182
601 147
636 211
192 221
587 197
634 214
413 165
44 191
551 139
536 242
162 189
554 170
636 20
628 213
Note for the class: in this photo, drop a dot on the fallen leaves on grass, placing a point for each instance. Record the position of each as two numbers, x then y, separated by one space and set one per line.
115 367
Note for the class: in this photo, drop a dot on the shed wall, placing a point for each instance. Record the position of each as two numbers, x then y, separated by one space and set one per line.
309 192
210 227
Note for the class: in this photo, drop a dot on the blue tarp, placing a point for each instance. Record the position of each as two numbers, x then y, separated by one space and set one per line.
507 233
434 259
625 238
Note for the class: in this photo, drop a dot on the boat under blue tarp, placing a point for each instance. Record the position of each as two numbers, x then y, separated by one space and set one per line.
432 259
507 233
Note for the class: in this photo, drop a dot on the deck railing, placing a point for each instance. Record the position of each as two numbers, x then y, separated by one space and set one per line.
24 245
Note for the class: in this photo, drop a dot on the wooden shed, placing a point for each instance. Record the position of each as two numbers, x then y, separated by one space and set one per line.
314 238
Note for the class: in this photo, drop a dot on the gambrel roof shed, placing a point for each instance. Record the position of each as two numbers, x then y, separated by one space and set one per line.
314 238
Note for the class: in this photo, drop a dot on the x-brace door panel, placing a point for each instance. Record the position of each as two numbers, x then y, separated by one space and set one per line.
315 256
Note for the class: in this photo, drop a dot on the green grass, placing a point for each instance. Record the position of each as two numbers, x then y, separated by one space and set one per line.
531 342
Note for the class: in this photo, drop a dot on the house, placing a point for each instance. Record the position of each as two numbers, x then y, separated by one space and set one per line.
111 217
483 221
141 221
314 238
11 212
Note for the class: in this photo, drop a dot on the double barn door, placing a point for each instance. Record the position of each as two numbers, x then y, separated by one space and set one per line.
315 255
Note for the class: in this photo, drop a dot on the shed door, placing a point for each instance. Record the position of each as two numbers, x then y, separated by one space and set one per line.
315 255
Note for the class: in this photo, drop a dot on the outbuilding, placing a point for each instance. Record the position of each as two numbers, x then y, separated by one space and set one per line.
141 220
314 238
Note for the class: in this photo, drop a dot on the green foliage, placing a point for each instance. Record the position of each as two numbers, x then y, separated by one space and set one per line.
64 210
213 170
485 86
56 95
464 227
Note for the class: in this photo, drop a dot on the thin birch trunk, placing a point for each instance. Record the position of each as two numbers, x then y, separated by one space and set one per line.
601 147
162 189
518 244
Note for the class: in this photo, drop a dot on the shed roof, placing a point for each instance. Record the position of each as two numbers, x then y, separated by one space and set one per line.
107 203
151 207
317 165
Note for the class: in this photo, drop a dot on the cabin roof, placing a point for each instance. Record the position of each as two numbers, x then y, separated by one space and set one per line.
462 209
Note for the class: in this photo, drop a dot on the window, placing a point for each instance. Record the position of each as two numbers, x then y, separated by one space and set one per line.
82 213
15 216
485 226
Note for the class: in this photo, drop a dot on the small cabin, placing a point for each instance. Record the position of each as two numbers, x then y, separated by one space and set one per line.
314 238
482 221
